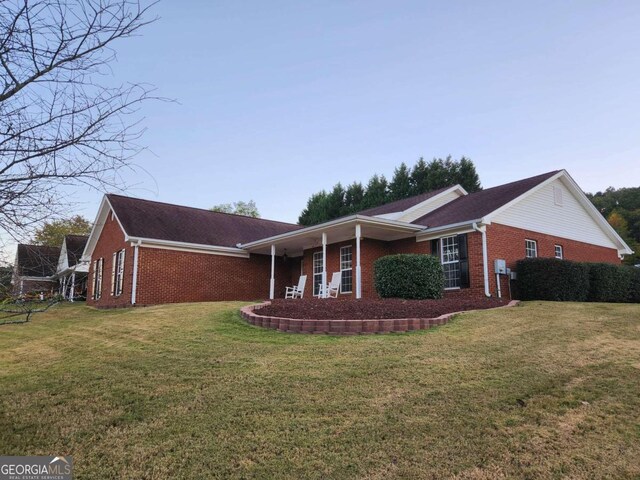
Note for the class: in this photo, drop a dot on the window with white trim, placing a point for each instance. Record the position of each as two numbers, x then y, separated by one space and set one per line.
450 259
317 272
346 270
117 279
559 252
97 278
530 248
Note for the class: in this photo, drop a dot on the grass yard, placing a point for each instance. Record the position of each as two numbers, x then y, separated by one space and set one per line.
544 390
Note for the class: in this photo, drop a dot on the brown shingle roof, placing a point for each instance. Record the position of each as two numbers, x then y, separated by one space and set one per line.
476 205
37 260
75 247
164 221
403 204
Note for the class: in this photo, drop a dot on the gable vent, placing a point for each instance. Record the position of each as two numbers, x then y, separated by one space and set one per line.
557 196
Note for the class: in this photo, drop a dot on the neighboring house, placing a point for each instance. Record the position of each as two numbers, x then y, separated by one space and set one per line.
34 270
145 252
71 271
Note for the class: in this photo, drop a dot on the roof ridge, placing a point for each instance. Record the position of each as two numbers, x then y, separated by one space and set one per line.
550 174
430 192
200 208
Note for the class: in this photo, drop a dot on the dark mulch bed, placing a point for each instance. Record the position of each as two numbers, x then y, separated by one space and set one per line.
337 309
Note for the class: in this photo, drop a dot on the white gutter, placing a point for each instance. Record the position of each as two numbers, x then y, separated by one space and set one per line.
134 283
485 263
150 242
426 231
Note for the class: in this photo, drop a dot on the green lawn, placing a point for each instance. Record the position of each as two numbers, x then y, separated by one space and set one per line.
544 390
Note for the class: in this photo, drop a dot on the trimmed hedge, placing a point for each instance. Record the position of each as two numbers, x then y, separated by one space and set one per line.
552 279
563 280
410 276
609 283
634 285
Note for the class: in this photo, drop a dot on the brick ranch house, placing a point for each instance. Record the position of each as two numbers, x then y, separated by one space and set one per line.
144 252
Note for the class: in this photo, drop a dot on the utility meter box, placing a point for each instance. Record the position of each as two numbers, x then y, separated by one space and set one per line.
500 266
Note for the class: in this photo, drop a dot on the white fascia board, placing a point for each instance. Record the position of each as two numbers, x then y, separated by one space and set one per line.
454 228
362 219
449 190
188 247
98 224
595 214
577 192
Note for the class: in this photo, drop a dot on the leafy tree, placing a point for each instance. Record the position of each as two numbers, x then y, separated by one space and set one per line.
621 207
247 209
400 186
53 233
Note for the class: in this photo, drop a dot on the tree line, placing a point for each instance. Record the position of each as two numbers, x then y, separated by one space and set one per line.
406 182
621 208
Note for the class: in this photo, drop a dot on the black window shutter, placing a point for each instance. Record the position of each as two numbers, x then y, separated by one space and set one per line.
464 260
435 248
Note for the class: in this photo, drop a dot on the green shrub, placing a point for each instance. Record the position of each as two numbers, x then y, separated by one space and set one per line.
552 279
410 276
634 285
609 283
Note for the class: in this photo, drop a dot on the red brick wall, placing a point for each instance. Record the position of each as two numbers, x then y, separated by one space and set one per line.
111 240
509 243
169 276
370 250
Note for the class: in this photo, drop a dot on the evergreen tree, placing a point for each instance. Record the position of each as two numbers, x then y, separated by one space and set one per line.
419 178
400 186
316 210
353 198
376 193
467 176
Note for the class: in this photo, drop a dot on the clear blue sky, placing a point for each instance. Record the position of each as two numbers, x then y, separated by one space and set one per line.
278 100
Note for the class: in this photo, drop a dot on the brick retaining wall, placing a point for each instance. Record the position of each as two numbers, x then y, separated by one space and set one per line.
345 327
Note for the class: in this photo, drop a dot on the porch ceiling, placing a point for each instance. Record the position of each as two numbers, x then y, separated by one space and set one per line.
311 237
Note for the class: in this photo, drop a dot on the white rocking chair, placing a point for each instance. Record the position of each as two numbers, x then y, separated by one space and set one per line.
333 289
297 291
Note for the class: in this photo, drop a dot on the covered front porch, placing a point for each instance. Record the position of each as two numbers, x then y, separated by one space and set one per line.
350 231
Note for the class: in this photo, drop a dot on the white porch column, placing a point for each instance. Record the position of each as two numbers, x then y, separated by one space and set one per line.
134 282
272 283
73 286
324 265
358 270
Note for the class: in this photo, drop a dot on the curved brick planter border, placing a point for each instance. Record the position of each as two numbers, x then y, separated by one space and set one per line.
346 327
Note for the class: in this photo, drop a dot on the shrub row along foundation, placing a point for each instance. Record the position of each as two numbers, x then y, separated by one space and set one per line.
345 327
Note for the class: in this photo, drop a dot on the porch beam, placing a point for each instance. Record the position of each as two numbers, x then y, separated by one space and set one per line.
323 291
358 270
272 283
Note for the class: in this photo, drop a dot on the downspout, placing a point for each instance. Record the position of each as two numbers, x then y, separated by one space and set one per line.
134 283
485 263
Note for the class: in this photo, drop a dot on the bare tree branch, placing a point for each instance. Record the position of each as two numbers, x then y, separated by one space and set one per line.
58 126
